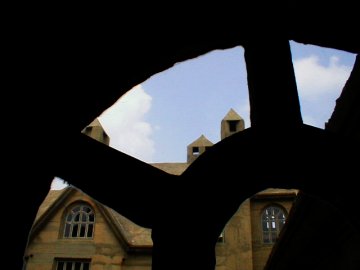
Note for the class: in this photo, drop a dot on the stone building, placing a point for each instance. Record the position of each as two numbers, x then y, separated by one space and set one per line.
74 231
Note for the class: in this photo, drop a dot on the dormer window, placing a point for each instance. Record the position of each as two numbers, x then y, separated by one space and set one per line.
79 222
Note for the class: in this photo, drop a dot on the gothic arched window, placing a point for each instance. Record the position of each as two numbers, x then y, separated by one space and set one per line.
273 219
79 222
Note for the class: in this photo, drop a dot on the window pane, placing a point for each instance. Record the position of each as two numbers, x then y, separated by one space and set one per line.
266 238
82 230
69 217
76 209
273 236
67 230
84 217
60 266
265 225
86 266
75 230
68 266
281 225
91 217
87 209
90 230
77 218
78 266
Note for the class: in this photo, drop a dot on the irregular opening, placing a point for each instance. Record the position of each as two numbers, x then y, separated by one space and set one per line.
195 151
233 125
321 74
160 117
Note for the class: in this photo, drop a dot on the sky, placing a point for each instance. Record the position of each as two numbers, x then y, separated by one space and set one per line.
157 119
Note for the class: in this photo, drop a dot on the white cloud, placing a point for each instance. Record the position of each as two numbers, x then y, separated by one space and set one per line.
126 125
58 184
315 80
319 86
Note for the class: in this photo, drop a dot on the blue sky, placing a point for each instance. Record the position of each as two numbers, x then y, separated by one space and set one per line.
156 120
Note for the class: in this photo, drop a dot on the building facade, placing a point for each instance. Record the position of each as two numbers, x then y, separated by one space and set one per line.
73 231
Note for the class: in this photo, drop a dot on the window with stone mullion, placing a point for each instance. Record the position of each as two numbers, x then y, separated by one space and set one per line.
79 222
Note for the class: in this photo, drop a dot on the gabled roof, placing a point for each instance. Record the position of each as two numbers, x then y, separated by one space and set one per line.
232 115
201 141
51 203
52 197
127 232
135 235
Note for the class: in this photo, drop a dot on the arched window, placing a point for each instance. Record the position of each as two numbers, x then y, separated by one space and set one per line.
273 219
79 222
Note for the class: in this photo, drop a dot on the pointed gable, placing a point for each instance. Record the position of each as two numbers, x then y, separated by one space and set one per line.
197 147
95 123
50 204
232 115
231 123
96 131
201 141
129 234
